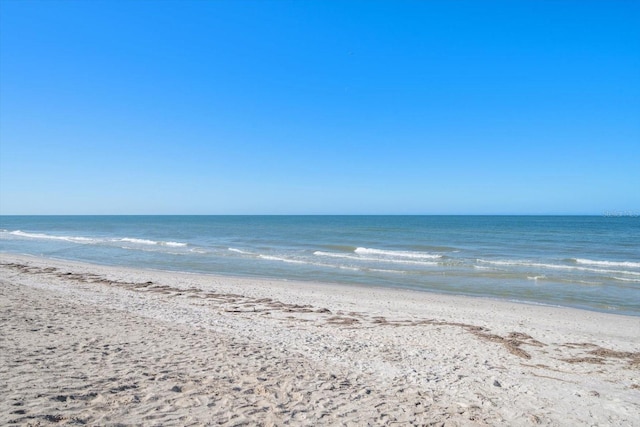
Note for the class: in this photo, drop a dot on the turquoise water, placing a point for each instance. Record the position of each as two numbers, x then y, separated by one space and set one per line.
586 262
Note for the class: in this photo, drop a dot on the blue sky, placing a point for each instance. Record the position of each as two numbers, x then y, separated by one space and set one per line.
283 107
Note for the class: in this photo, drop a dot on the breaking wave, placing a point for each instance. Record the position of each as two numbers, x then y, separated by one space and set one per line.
96 240
529 264
355 257
397 254
629 264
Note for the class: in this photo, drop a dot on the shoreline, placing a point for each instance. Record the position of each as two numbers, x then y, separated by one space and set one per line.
466 360
240 278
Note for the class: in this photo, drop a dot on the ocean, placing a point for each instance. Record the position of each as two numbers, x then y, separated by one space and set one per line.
587 262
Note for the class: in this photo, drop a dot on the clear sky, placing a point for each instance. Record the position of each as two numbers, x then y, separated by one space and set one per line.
303 107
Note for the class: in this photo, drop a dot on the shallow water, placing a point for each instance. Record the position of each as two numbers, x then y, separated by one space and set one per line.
590 262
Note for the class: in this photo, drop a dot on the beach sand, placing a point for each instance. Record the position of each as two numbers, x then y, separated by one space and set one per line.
96 345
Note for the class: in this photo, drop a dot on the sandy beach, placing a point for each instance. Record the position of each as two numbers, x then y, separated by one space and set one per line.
83 344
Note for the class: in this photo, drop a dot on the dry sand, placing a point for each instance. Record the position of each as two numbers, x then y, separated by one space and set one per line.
94 345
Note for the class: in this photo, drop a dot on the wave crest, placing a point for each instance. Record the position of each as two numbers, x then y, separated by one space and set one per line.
95 240
356 257
629 264
397 254
529 264
74 239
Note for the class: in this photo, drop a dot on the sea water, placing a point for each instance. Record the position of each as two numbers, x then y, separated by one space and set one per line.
589 262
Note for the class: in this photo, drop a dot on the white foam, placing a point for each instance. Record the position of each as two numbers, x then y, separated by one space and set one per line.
623 279
608 263
175 244
400 254
74 239
151 242
89 240
275 258
557 266
341 267
239 251
364 258
138 241
298 261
